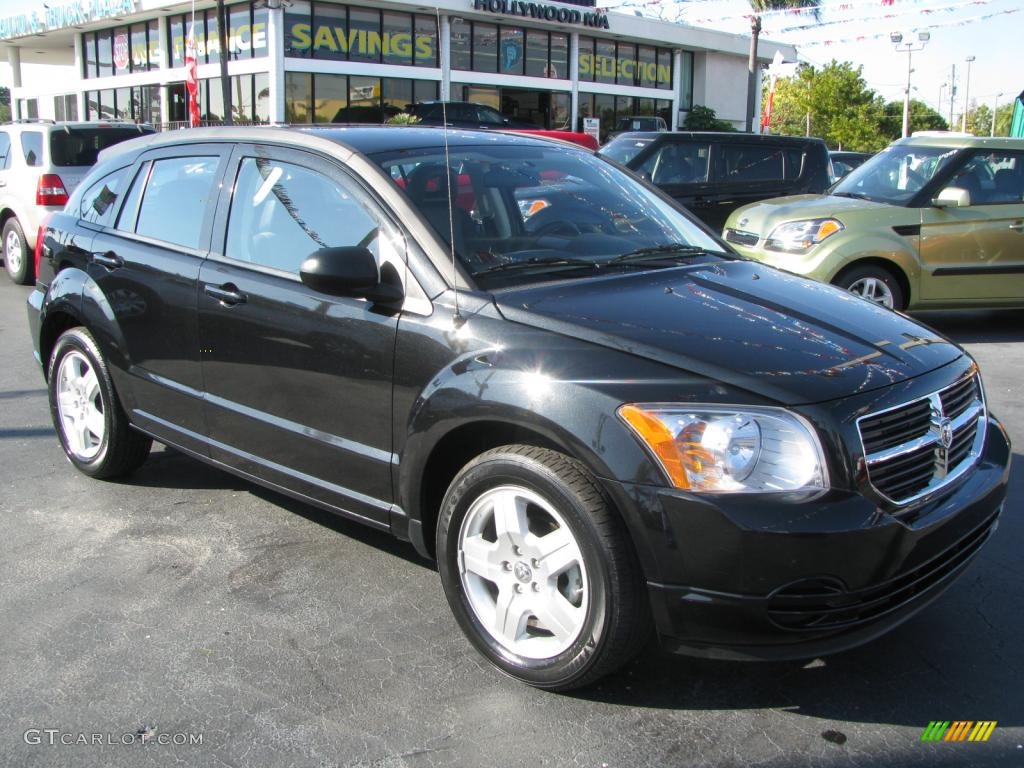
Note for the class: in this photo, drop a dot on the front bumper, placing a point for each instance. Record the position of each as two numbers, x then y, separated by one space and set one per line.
759 578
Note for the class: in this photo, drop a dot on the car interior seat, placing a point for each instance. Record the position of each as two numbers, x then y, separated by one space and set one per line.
434 200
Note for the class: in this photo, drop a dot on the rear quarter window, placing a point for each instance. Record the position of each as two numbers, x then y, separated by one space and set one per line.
99 202
5 149
32 147
79 147
748 162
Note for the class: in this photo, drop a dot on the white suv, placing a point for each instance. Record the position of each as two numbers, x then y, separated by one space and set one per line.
41 162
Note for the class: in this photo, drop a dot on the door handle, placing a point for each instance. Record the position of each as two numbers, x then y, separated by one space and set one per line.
1017 226
226 294
109 259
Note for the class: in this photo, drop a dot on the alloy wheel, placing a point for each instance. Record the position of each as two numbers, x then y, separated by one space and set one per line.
873 289
523 572
80 406
13 252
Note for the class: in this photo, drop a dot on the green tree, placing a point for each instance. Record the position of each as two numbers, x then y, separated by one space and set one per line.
703 119
979 119
759 7
922 118
833 102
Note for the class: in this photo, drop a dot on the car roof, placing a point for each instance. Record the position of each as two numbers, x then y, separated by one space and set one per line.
959 141
723 136
365 139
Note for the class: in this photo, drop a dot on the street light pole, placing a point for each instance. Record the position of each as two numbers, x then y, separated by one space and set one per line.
897 39
967 93
995 105
942 87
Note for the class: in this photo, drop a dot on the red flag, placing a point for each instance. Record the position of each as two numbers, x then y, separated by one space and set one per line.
192 78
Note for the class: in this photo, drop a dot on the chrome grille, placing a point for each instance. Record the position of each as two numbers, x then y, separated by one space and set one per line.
741 237
917 448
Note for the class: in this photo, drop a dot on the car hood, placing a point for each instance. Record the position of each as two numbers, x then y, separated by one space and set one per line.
759 217
741 323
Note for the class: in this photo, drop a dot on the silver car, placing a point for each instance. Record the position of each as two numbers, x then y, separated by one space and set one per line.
41 163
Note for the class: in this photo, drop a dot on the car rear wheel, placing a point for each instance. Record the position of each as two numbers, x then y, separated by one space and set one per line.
16 256
90 421
874 283
539 570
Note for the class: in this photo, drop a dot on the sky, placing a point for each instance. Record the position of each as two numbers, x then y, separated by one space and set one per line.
957 30
956 26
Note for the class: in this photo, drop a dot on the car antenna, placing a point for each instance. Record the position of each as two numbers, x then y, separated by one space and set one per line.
458 320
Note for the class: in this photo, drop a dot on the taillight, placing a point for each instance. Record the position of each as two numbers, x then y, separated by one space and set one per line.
40 237
50 190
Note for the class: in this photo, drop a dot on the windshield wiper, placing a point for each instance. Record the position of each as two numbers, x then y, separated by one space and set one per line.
658 252
537 261
853 195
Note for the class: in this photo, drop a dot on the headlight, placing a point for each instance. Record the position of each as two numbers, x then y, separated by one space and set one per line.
713 449
801 236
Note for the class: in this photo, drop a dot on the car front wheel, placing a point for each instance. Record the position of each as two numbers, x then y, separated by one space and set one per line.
539 570
90 421
16 256
873 283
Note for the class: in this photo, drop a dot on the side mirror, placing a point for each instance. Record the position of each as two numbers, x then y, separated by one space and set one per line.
351 271
952 197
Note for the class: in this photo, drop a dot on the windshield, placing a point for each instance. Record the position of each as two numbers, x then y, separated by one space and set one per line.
624 149
895 174
80 146
526 213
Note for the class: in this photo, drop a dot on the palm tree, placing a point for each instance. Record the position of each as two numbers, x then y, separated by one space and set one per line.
759 7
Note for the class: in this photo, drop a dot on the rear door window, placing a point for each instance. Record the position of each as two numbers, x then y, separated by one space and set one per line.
180 193
748 162
794 163
5 149
677 162
32 147
80 146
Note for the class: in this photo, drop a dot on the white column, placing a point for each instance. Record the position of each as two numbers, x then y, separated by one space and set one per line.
445 57
164 56
275 57
757 99
79 92
14 59
574 78
677 83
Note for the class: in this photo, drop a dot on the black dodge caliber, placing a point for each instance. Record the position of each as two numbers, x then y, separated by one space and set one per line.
534 367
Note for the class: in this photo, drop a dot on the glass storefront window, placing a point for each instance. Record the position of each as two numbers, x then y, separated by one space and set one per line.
121 50
105 102
239 32
123 103
604 61
261 94
686 81
330 37
664 68
426 41
625 106
424 90
645 107
397 40
561 104
364 34
298 30
461 45
104 53
364 100
536 53
212 108
176 29
331 98
485 47
259 31
511 51
298 97
89 51
586 59
559 65
648 67
396 95
211 46
139 48
625 67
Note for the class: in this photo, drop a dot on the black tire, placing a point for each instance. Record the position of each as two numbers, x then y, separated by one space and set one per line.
859 277
617 620
120 449
19 267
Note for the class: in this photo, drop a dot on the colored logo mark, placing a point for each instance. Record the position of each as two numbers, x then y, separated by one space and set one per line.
958 730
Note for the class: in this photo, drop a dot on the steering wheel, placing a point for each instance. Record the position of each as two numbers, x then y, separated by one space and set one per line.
559 227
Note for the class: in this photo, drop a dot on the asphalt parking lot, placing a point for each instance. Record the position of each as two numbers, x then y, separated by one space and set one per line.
187 602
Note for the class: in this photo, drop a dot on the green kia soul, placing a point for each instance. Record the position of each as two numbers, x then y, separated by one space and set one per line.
935 221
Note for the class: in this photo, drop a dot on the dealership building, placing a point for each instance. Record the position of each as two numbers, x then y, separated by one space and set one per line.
304 61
